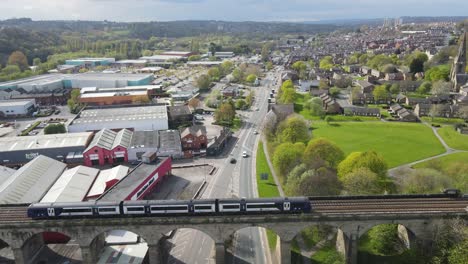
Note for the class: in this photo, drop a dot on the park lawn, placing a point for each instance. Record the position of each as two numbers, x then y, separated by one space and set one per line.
266 188
443 162
442 120
398 143
453 138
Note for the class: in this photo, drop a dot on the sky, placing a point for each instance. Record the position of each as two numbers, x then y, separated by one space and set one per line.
227 10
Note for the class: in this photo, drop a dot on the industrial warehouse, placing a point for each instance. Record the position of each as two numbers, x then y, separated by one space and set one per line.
23 149
138 118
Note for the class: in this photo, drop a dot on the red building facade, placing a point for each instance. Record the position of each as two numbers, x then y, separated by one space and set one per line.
108 147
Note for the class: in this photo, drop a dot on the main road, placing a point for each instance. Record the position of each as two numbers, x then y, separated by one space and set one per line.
237 179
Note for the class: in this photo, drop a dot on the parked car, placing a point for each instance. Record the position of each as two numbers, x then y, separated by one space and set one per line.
233 161
244 154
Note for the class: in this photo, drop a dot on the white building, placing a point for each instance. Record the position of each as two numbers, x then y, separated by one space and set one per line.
17 107
134 118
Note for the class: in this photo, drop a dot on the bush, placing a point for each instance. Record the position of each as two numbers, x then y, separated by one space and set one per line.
31 128
55 129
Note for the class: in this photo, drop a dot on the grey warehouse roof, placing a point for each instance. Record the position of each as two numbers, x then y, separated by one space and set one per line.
44 141
122 114
31 182
109 139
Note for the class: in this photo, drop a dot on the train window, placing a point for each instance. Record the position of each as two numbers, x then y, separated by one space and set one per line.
169 208
261 206
76 210
106 209
231 206
203 207
135 209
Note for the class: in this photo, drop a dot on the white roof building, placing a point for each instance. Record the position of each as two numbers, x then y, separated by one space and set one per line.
72 185
5 173
107 179
31 182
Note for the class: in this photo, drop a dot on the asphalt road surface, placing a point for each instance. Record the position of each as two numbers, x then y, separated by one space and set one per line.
192 246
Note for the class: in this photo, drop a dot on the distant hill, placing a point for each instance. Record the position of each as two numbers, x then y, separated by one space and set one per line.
145 30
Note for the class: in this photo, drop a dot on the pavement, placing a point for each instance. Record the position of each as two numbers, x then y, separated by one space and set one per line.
238 180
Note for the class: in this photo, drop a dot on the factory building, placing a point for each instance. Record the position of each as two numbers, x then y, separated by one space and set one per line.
139 182
17 108
108 147
20 150
31 182
71 186
90 62
142 142
139 118
106 80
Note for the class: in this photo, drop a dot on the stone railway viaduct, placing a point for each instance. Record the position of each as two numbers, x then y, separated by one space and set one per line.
24 237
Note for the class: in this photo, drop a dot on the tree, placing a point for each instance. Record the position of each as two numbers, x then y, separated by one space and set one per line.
286 156
288 96
265 53
314 106
251 78
238 75
194 58
435 111
194 103
389 68
37 61
226 68
322 150
11 69
423 181
241 104
424 88
334 92
323 84
301 68
378 61
439 73
214 74
416 61
203 82
294 129
18 58
213 98
225 114
395 88
326 63
320 182
361 181
369 159
329 119
55 129
441 88
249 98
343 82
380 93
384 239
269 66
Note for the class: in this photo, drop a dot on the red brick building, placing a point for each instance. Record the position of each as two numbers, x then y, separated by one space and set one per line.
108 147
194 140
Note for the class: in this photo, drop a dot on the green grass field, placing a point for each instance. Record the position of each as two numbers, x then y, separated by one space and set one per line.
442 120
444 162
266 188
398 143
453 138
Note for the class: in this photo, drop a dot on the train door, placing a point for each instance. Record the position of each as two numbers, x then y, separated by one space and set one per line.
50 211
287 206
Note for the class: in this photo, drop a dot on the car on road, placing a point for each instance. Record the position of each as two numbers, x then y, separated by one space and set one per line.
255 132
244 154
233 161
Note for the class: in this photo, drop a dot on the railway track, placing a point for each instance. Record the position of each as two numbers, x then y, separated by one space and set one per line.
12 214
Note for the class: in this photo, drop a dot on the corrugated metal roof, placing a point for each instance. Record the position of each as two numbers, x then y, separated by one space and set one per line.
72 185
44 141
5 173
99 186
31 182
108 139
